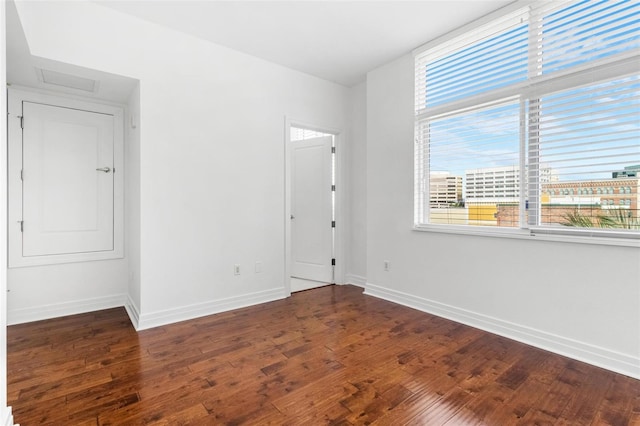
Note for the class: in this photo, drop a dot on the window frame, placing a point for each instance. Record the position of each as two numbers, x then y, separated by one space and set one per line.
537 85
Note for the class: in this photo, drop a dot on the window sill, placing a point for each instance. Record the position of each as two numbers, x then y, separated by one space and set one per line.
566 236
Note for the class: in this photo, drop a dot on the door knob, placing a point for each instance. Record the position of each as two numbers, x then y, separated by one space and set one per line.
104 169
293 217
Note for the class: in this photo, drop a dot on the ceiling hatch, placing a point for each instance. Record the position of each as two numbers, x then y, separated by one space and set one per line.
67 80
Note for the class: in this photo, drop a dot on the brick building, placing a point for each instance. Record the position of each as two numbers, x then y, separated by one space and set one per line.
591 198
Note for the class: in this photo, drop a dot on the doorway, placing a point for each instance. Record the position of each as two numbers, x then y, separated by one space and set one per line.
312 166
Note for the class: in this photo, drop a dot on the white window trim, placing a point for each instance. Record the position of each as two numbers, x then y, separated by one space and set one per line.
568 235
16 95
537 86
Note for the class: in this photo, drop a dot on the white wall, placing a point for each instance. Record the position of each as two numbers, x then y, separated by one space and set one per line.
41 292
132 204
357 196
211 152
579 300
6 418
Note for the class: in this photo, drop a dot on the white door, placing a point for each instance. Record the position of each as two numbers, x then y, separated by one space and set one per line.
67 180
311 212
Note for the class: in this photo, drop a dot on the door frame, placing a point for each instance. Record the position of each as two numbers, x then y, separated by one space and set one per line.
16 95
338 242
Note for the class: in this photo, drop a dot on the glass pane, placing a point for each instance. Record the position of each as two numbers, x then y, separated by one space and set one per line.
590 140
474 176
485 65
589 30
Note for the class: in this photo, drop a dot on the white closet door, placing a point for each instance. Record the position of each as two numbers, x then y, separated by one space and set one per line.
68 169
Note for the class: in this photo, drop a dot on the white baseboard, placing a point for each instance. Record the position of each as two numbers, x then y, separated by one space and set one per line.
142 321
133 311
7 417
356 280
601 357
169 316
42 312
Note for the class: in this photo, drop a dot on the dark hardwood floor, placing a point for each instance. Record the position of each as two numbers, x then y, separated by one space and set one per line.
324 356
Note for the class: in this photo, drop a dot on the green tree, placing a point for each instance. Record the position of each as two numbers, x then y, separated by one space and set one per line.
613 218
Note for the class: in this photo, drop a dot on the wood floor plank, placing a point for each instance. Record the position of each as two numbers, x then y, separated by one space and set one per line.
325 356
444 409
320 397
617 405
52 387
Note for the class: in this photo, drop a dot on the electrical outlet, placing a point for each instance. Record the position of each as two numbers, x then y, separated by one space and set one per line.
236 269
258 268
387 265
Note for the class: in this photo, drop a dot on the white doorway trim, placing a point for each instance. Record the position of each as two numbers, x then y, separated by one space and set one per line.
339 197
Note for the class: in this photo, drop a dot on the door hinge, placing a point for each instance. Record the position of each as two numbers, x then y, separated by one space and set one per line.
333 149
333 187
21 225
21 122
21 174
333 262
333 223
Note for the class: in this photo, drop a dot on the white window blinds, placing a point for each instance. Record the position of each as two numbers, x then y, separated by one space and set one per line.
494 57
534 113
584 31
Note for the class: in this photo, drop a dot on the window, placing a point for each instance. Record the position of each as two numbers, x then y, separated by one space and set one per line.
545 94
